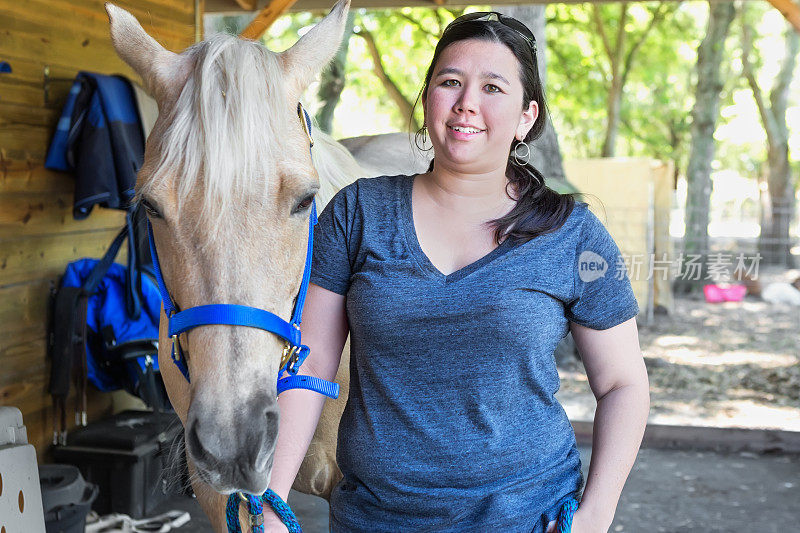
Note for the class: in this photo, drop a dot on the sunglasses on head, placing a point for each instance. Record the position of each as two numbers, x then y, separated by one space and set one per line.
512 23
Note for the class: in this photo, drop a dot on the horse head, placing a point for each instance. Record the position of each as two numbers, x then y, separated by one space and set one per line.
228 182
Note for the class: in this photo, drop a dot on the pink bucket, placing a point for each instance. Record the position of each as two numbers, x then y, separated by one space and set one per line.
724 293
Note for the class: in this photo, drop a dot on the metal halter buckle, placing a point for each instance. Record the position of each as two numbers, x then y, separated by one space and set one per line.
176 347
290 355
301 114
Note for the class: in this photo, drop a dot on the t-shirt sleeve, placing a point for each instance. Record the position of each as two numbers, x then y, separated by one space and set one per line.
602 297
330 262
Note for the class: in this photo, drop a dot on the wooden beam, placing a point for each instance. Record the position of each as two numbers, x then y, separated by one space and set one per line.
230 6
789 10
265 18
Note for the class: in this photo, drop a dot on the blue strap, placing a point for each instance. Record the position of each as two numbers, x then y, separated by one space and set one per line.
232 315
169 308
297 316
312 383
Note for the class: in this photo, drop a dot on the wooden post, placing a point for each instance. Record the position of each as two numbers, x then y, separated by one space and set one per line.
265 18
789 10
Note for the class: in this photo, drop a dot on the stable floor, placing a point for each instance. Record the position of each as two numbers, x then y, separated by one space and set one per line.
668 491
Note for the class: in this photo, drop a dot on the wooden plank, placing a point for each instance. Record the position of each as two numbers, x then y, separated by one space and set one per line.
25 83
23 308
789 10
85 23
23 353
24 143
230 6
30 177
266 17
27 115
36 257
36 214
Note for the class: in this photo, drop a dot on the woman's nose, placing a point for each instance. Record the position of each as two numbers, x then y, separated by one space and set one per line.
467 101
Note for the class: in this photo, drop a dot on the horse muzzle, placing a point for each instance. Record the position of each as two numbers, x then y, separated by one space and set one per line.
233 452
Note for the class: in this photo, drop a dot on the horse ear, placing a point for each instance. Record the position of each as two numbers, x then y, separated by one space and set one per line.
152 62
303 61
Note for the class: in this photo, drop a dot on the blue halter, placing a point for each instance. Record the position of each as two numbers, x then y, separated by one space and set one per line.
294 352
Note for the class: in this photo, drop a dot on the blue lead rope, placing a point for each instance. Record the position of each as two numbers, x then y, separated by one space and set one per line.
255 508
565 516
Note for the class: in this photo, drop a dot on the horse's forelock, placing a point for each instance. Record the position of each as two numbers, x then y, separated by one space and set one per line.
221 131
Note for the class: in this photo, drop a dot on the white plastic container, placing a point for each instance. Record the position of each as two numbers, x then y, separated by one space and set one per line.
20 494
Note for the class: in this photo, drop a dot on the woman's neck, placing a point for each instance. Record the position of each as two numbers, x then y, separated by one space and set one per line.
468 194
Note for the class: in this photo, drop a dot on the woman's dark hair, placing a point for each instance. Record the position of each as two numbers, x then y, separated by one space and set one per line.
539 209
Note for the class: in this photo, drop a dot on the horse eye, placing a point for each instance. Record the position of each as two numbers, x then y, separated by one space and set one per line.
151 210
304 204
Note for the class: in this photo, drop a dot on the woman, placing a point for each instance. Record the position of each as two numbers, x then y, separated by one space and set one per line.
456 286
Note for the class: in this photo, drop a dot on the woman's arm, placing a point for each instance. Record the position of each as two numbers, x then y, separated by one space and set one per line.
324 329
618 378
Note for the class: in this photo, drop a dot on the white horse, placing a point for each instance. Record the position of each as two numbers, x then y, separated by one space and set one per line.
225 175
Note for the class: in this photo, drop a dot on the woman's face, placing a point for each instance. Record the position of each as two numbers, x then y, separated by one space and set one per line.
473 106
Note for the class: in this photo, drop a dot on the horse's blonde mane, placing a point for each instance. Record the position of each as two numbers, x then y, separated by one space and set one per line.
221 130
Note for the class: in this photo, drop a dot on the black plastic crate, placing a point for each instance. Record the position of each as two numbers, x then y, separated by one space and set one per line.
126 457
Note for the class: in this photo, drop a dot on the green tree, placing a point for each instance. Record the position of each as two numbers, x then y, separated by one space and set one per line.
774 241
653 79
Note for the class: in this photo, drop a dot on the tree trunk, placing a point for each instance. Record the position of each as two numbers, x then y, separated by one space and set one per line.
332 80
404 105
774 242
616 55
704 123
545 152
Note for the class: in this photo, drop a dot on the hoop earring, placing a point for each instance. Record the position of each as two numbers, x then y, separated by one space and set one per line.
521 159
423 131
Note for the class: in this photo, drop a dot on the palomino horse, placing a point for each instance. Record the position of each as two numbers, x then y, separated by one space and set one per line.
225 179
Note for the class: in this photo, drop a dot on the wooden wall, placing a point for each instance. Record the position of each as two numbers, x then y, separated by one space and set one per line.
38 235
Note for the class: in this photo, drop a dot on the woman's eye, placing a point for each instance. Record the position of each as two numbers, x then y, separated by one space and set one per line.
304 204
150 209
493 88
450 83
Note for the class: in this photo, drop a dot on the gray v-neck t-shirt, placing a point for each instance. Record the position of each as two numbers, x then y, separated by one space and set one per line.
451 422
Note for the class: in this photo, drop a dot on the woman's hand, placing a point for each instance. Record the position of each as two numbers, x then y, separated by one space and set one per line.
582 522
273 524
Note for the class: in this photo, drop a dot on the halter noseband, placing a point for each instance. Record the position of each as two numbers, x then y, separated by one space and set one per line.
294 352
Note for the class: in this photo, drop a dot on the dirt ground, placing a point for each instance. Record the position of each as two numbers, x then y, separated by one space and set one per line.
735 364
668 491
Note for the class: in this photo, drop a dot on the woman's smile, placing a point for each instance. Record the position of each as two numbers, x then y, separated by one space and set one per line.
463 132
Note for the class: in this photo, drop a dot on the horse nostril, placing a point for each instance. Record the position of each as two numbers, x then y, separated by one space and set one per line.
272 416
193 442
263 456
203 445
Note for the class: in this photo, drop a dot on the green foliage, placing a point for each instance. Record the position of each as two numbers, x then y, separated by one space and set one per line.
657 97
405 38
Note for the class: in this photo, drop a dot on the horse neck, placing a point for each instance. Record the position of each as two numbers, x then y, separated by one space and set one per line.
335 165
